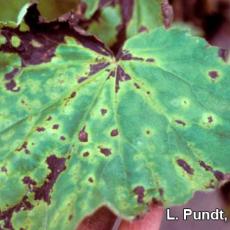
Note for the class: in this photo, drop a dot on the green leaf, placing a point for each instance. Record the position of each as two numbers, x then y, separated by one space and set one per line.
52 9
145 16
106 26
80 129
118 20
12 12
91 7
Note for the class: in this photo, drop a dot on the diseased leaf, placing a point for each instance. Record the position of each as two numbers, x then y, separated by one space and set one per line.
80 129
12 12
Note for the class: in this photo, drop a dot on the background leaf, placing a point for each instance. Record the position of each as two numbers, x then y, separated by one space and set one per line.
117 20
52 9
80 130
12 12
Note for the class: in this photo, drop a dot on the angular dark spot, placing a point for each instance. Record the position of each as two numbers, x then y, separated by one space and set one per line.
56 166
219 175
3 169
161 191
180 122
83 135
205 166
105 151
137 59
95 68
126 56
85 154
70 217
150 60
120 77
11 86
12 74
213 74
62 138
142 29
49 118
90 179
210 119
137 86
148 92
40 129
82 79
24 147
223 53
103 112
29 182
139 191
6 215
73 94
184 165
55 126
114 133
147 132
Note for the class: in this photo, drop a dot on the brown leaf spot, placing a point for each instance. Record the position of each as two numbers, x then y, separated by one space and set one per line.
73 94
83 135
150 60
82 79
148 132
55 126
23 147
105 151
85 154
6 215
137 85
3 169
184 165
120 77
213 74
205 166
11 86
12 74
180 122
70 217
62 138
90 179
161 191
103 112
56 166
219 175
49 118
29 182
210 119
95 68
143 29
40 129
139 191
114 133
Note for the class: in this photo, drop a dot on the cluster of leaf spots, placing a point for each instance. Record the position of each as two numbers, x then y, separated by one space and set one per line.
81 127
